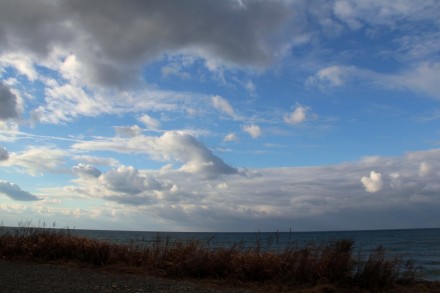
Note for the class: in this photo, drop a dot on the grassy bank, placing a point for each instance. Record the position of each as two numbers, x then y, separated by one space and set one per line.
333 263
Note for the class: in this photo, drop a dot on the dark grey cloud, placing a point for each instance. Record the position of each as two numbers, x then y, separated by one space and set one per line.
14 192
4 155
113 38
8 103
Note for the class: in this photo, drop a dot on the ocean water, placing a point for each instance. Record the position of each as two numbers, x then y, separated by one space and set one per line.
419 245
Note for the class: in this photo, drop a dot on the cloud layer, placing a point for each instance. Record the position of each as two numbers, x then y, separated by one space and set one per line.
151 112
143 31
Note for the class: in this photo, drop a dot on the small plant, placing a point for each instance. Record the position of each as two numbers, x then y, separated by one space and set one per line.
331 263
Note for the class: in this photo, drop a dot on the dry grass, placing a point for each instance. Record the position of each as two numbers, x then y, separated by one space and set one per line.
329 263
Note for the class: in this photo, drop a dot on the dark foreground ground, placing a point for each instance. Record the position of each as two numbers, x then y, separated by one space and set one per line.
32 277
22 277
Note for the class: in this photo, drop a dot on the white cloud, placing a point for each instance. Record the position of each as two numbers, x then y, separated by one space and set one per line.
128 131
4 155
333 76
150 122
23 64
357 14
171 146
223 105
37 160
123 185
100 161
67 101
176 69
230 137
345 11
274 197
298 115
124 179
424 77
253 130
14 192
196 157
373 183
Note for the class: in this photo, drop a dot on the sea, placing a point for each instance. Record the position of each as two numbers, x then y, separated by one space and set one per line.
422 246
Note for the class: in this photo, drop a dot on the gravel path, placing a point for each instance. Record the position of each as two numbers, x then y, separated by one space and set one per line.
31 277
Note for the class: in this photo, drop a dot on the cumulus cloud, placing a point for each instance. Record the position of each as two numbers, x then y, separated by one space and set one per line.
298 115
128 180
165 26
4 155
8 103
85 170
197 158
223 105
373 183
14 192
174 146
279 197
253 130
149 121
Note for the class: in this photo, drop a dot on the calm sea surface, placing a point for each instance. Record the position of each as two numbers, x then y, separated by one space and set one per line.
420 245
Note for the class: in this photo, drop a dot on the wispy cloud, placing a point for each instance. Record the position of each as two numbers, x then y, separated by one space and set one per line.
222 105
37 160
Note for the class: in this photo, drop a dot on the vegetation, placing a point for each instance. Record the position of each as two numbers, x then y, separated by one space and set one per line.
328 263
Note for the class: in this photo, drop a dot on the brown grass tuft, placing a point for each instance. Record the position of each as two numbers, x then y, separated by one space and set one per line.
328 263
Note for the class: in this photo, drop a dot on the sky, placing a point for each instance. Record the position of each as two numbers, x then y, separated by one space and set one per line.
205 115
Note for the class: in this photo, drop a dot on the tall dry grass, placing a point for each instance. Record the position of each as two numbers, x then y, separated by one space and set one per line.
333 262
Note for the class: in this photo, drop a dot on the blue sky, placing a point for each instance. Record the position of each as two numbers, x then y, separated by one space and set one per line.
220 115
